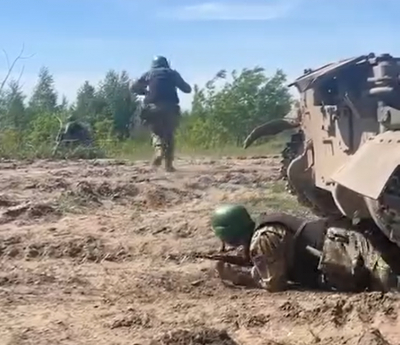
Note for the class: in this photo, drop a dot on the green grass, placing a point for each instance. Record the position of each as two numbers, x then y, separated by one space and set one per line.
274 199
136 149
139 150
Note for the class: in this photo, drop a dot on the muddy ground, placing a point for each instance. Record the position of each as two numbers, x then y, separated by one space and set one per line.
99 252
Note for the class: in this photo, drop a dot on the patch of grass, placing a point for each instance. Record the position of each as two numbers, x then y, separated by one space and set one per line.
277 187
276 203
140 150
273 146
275 199
132 149
127 150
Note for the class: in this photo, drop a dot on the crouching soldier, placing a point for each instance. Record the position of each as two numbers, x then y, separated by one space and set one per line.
283 248
74 134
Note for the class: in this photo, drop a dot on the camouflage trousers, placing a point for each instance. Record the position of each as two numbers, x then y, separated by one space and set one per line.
162 121
350 263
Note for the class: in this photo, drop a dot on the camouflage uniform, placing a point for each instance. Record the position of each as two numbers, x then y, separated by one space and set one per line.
346 260
270 253
161 111
164 121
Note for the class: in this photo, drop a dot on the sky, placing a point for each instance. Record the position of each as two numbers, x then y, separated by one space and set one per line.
81 40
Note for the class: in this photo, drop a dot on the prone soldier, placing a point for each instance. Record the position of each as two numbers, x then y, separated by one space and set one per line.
281 248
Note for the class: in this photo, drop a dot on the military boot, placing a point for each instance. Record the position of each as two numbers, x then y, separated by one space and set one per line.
169 167
169 159
156 162
158 157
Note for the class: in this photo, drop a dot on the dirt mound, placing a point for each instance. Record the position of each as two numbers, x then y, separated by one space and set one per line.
195 337
132 319
82 249
340 310
28 211
105 189
6 201
49 185
91 194
157 196
170 282
372 337
33 277
368 304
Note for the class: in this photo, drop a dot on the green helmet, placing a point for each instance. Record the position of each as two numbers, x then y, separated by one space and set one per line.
232 224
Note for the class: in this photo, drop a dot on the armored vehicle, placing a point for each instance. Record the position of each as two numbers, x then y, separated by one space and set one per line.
344 157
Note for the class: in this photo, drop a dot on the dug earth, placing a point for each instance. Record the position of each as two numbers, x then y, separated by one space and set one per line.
100 252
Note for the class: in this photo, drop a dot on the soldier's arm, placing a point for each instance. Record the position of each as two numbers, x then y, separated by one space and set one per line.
181 84
139 86
235 274
267 252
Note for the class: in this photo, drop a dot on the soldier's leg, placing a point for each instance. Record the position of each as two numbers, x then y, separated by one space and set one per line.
380 275
157 143
351 263
169 151
340 261
170 126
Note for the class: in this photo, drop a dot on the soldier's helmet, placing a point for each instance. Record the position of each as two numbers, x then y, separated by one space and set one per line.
160 61
232 224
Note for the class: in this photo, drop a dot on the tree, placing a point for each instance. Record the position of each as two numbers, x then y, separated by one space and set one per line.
44 97
87 104
119 103
14 115
84 102
63 106
229 113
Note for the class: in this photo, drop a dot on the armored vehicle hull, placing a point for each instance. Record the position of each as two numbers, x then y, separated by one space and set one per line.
344 159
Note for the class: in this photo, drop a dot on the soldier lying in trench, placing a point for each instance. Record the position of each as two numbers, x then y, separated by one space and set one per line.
313 254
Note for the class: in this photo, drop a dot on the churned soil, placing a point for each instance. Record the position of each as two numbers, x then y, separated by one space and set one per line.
101 252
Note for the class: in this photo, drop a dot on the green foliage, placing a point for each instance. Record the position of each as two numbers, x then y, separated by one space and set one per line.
44 97
223 113
43 129
226 115
119 104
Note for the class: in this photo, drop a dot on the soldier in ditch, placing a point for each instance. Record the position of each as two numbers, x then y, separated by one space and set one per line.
161 110
282 248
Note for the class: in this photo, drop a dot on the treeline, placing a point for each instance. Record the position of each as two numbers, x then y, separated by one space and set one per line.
223 112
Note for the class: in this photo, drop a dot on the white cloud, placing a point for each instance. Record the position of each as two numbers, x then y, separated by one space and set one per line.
231 11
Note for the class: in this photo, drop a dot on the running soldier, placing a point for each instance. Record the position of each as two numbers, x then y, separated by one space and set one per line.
161 110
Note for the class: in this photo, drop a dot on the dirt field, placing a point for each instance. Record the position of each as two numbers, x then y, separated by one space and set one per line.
99 253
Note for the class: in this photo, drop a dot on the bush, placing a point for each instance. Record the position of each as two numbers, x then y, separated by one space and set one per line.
223 113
